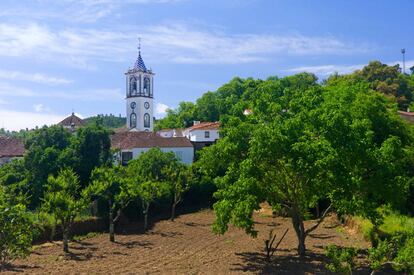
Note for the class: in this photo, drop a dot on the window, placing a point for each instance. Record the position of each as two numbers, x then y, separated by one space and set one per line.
125 157
147 86
179 155
133 121
133 86
147 122
207 134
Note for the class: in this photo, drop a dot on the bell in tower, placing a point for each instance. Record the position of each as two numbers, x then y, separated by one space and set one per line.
139 96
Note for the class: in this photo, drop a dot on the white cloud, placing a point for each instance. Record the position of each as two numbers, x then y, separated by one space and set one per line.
326 70
33 77
171 42
161 109
15 120
83 95
84 11
40 108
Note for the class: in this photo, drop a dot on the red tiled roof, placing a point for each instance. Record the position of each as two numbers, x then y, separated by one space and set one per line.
11 147
129 140
406 113
72 120
205 126
408 116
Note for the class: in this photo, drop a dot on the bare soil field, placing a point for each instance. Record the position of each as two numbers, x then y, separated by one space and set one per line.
188 246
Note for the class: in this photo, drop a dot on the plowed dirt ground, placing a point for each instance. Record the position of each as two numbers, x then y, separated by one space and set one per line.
188 246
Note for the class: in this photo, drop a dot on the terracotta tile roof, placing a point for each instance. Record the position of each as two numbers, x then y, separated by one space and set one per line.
129 140
409 116
72 120
11 147
205 126
406 113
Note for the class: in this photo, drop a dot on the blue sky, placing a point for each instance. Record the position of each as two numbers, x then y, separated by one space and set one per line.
59 56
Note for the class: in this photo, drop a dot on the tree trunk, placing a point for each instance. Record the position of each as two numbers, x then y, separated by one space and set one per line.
145 212
145 221
111 223
65 240
173 211
299 227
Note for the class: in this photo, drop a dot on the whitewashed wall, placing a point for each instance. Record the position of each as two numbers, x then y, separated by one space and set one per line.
198 135
185 154
5 160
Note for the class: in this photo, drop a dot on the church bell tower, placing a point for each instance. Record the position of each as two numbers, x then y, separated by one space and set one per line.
139 96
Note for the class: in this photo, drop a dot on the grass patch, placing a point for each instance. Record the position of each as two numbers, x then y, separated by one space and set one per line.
397 223
87 236
393 224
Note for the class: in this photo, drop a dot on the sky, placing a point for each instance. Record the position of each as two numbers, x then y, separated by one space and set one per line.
59 57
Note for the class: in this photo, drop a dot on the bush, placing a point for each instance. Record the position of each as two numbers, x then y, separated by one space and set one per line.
15 230
397 251
342 259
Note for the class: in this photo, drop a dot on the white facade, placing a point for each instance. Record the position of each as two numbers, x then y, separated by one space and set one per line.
200 135
185 154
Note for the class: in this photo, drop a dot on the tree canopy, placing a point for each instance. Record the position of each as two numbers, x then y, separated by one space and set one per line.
306 142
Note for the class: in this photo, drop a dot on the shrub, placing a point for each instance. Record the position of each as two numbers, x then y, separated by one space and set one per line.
15 230
342 259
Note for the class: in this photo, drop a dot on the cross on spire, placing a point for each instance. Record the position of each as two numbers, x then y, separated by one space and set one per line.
139 64
139 43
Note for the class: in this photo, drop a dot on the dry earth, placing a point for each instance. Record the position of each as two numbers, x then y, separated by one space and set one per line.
187 246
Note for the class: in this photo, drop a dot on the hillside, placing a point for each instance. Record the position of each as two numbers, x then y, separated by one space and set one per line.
108 121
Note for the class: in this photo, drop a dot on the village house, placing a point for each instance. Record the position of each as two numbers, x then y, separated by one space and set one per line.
130 144
10 148
408 116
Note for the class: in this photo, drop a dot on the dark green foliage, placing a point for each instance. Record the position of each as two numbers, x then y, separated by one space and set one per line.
90 148
50 149
63 201
230 99
342 259
149 166
18 134
44 156
396 251
111 185
387 80
307 142
108 121
158 174
15 229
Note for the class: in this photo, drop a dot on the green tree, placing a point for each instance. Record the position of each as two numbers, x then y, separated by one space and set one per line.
89 148
150 191
62 200
384 79
306 143
43 158
15 229
148 172
179 179
112 185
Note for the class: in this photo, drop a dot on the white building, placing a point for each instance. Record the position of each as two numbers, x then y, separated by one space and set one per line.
139 97
168 133
206 132
130 144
